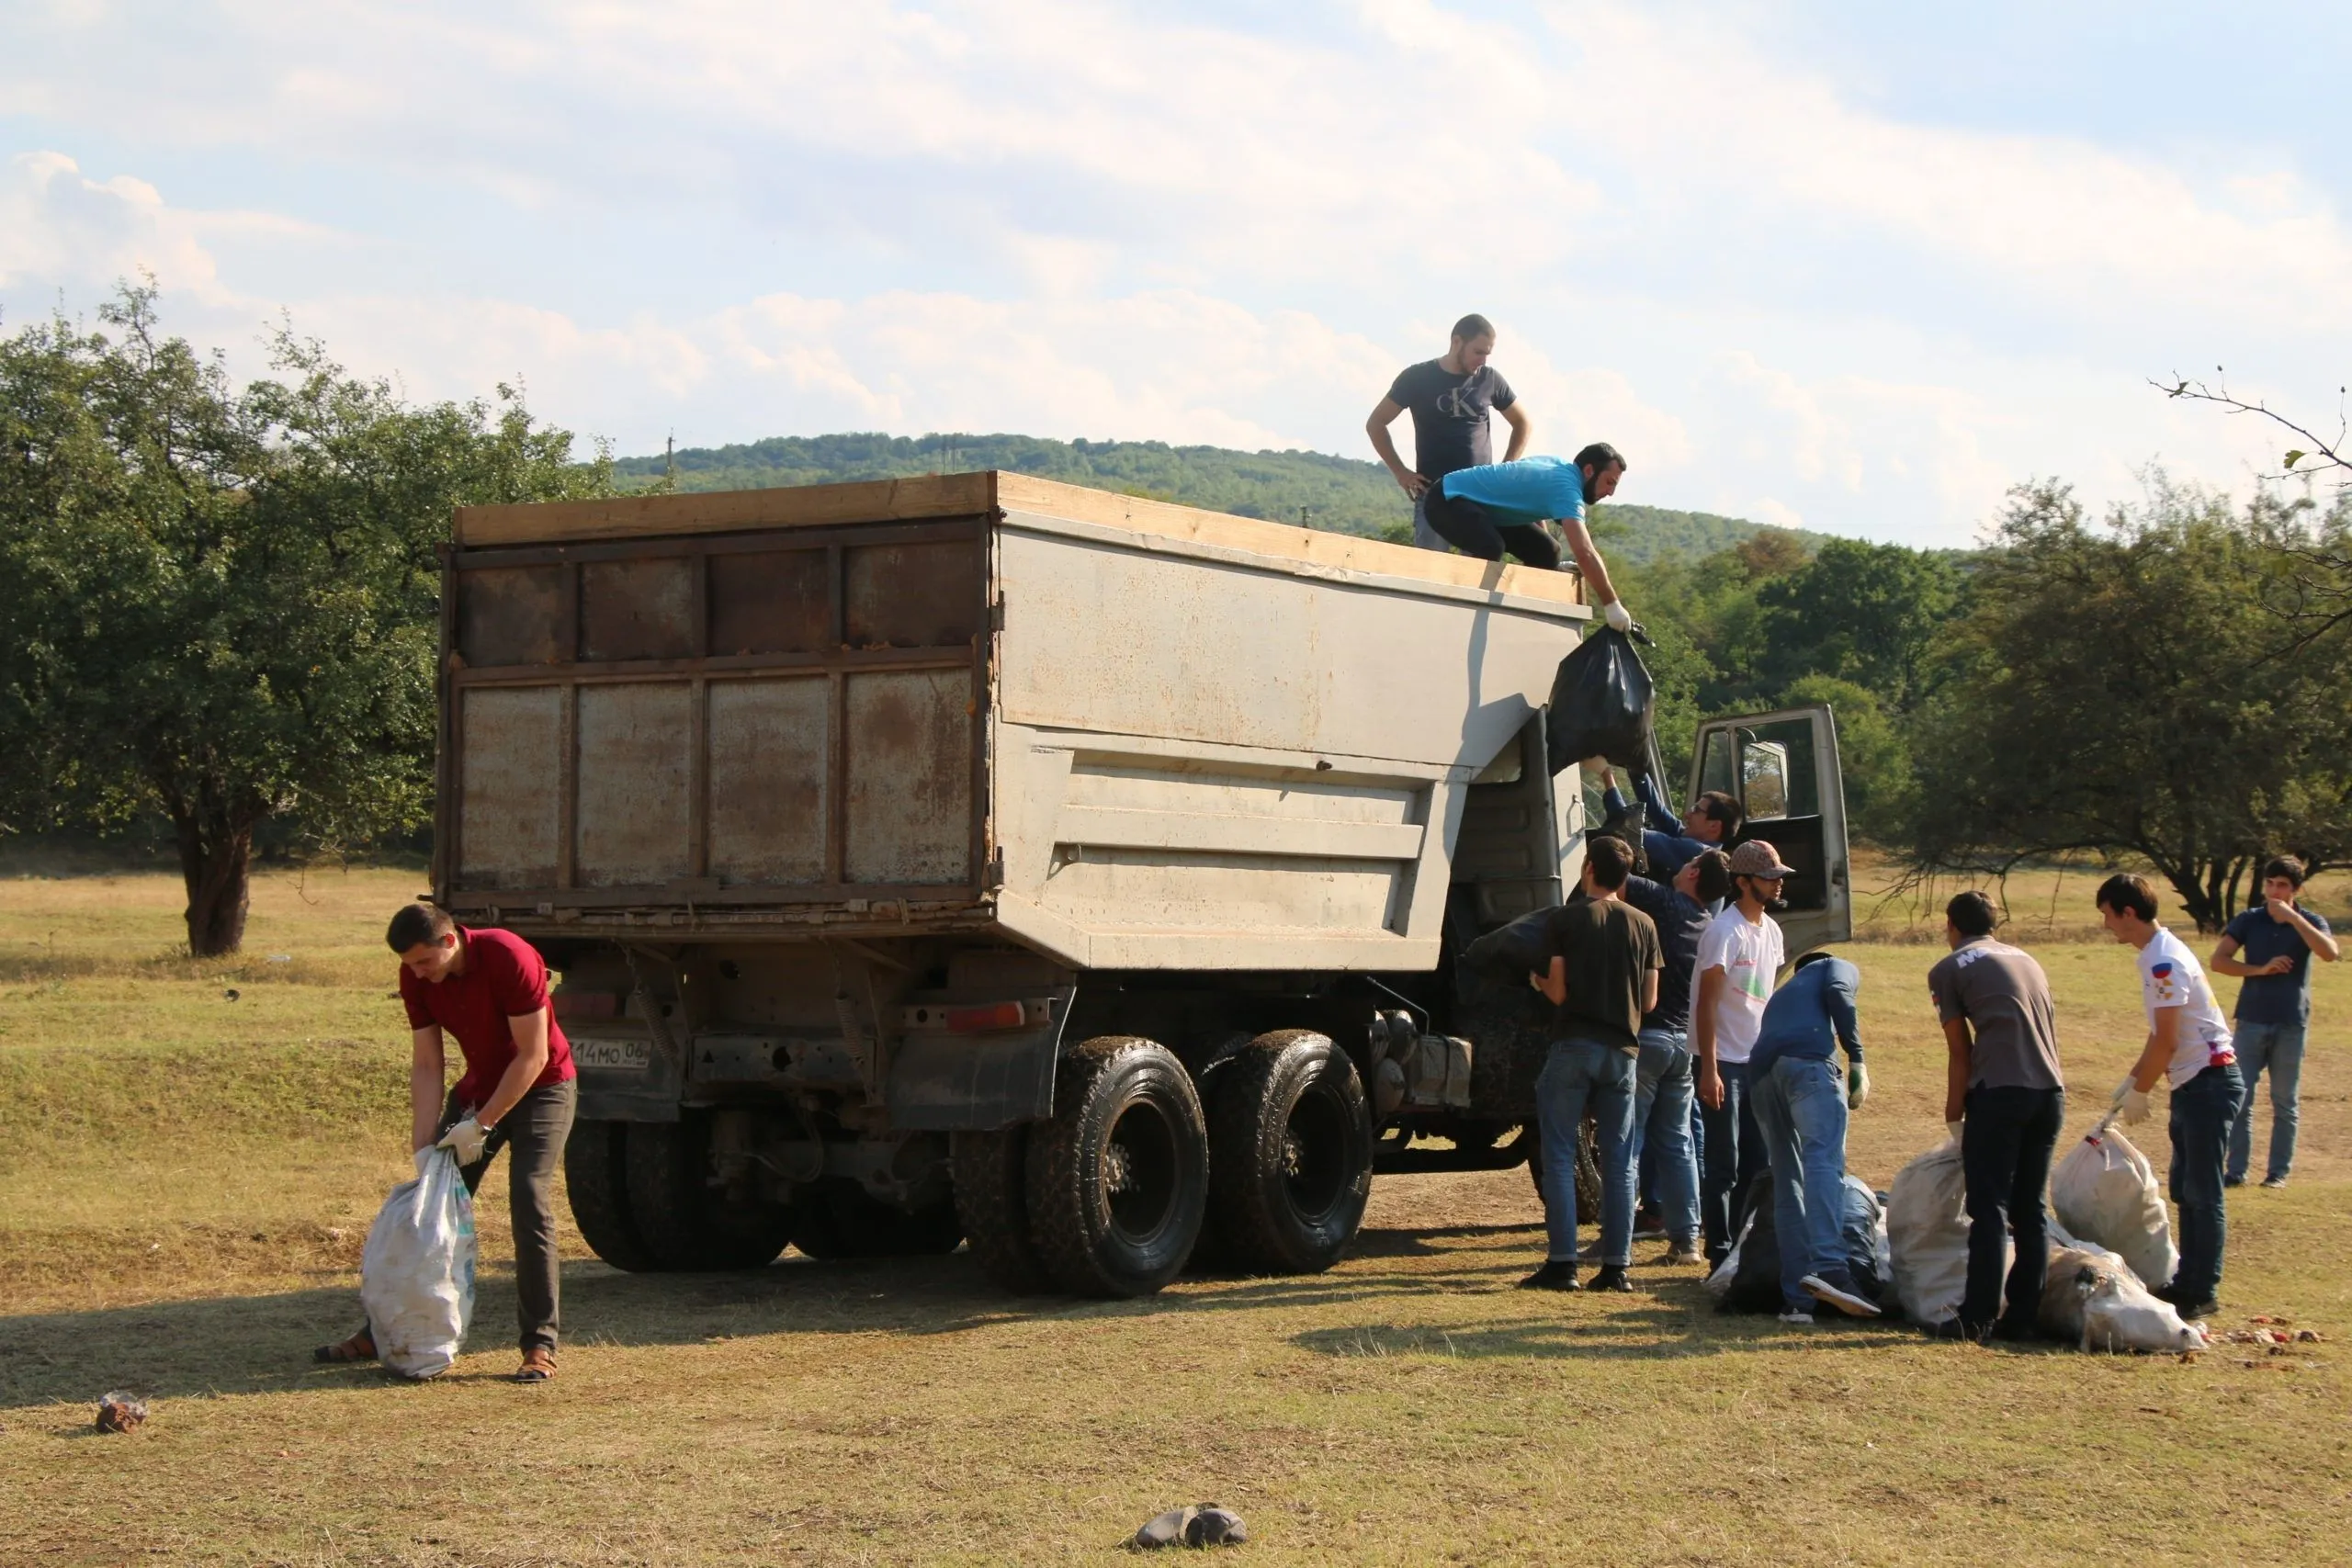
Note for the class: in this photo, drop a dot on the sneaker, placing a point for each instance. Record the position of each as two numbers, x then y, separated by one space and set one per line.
1796 1317
1611 1277
1553 1276
1839 1294
2274 1181
1951 1329
2189 1307
2233 1181
1683 1252
1648 1225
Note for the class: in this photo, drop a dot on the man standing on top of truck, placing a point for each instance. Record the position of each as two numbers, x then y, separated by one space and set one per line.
1740 953
489 989
1603 973
2191 1047
1449 397
1503 507
1712 821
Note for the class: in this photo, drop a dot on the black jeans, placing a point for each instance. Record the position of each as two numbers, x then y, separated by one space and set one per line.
536 1129
1732 1155
2203 1111
1467 526
2004 1149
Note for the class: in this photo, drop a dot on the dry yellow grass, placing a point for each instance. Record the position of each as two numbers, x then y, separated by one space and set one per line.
1408 1407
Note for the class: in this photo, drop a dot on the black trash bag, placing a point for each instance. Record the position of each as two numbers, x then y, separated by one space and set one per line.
1512 951
1626 826
1601 703
1861 1229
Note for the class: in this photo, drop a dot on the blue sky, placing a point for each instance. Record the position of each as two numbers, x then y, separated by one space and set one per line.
1858 267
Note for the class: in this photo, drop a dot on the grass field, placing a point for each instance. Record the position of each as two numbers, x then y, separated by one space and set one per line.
184 1179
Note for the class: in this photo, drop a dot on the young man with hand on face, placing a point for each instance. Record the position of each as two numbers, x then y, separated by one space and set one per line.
2191 1048
2006 1101
1664 1086
489 989
1601 972
1503 506
1740 954
2278 938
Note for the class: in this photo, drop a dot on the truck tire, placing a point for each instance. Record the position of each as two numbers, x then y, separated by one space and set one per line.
1118 1181
1290 1154
838 1218
595 1178
687 1225
1588 1169
990 1171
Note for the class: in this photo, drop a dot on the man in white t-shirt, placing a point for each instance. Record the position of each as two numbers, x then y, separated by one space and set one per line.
1740 953
2191 1048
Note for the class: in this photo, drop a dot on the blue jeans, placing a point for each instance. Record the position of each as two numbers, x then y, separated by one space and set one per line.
2202 1110
2277 1048
1801 1118
1730 1156
1580 1074
1663 1091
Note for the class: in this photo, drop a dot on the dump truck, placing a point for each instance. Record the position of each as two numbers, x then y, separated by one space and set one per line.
980 858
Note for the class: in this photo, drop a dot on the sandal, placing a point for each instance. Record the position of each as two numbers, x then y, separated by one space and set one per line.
538 1365
361 1347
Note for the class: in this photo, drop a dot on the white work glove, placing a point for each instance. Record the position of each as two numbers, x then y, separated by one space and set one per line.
2131 1103
1954 1128
464 1140
1857 1086
1619 617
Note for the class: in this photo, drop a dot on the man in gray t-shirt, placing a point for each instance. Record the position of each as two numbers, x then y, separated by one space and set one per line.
2004 1099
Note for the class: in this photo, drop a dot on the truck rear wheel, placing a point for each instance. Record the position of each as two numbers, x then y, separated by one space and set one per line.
990 1171
1290 1154
1118 1181
687 1225
596 1179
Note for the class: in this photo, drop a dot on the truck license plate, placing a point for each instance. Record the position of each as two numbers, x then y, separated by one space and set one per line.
613 1055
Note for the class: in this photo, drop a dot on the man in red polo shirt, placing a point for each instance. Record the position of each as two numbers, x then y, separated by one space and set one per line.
489 989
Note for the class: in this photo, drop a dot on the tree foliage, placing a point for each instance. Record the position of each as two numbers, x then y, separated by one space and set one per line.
223 600
2132 688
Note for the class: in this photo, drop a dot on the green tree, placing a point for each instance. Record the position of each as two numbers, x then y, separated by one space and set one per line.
2133 690
1874 754
223 600
1862 613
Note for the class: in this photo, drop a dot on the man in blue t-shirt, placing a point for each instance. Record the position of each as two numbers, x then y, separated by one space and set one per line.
2277 937
1665 1081
1503 506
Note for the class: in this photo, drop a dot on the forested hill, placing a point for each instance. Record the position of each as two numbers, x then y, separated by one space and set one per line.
1343 493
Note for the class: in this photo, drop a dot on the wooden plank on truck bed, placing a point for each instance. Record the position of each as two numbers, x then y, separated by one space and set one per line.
963 495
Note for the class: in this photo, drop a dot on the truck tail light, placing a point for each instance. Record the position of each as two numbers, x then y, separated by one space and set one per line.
978 1019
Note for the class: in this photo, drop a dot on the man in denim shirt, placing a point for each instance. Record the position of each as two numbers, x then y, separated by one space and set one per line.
1664 1084
1801 1100
2277 937
1712 822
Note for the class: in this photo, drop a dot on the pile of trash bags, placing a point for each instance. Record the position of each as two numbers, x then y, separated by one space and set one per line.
416 1273
2108 1226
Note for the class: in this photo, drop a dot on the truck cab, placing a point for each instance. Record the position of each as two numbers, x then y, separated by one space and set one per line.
983 859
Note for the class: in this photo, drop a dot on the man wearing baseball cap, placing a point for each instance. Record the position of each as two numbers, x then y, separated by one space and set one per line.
1739 954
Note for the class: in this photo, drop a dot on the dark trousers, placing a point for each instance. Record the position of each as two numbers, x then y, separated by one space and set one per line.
1470 528
1733 1154
536 1129
2005 1148
2203 1111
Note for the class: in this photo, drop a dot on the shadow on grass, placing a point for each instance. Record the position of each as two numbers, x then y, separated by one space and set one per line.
263 1343
1655 1330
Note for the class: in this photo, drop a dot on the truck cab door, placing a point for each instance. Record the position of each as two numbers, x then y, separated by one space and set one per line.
1782 768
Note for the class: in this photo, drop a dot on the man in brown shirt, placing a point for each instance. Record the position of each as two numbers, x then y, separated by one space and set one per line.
1602 975
2005 1101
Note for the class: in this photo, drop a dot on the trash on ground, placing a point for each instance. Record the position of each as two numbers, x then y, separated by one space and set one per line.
1196 1525
2105 1191
416 1272
120 1412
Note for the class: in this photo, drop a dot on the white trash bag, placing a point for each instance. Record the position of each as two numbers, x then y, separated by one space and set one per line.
416 1275
2092 1299
1926 1233
2105 1191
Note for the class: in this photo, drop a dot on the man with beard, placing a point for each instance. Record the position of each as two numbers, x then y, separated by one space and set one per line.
1485 512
